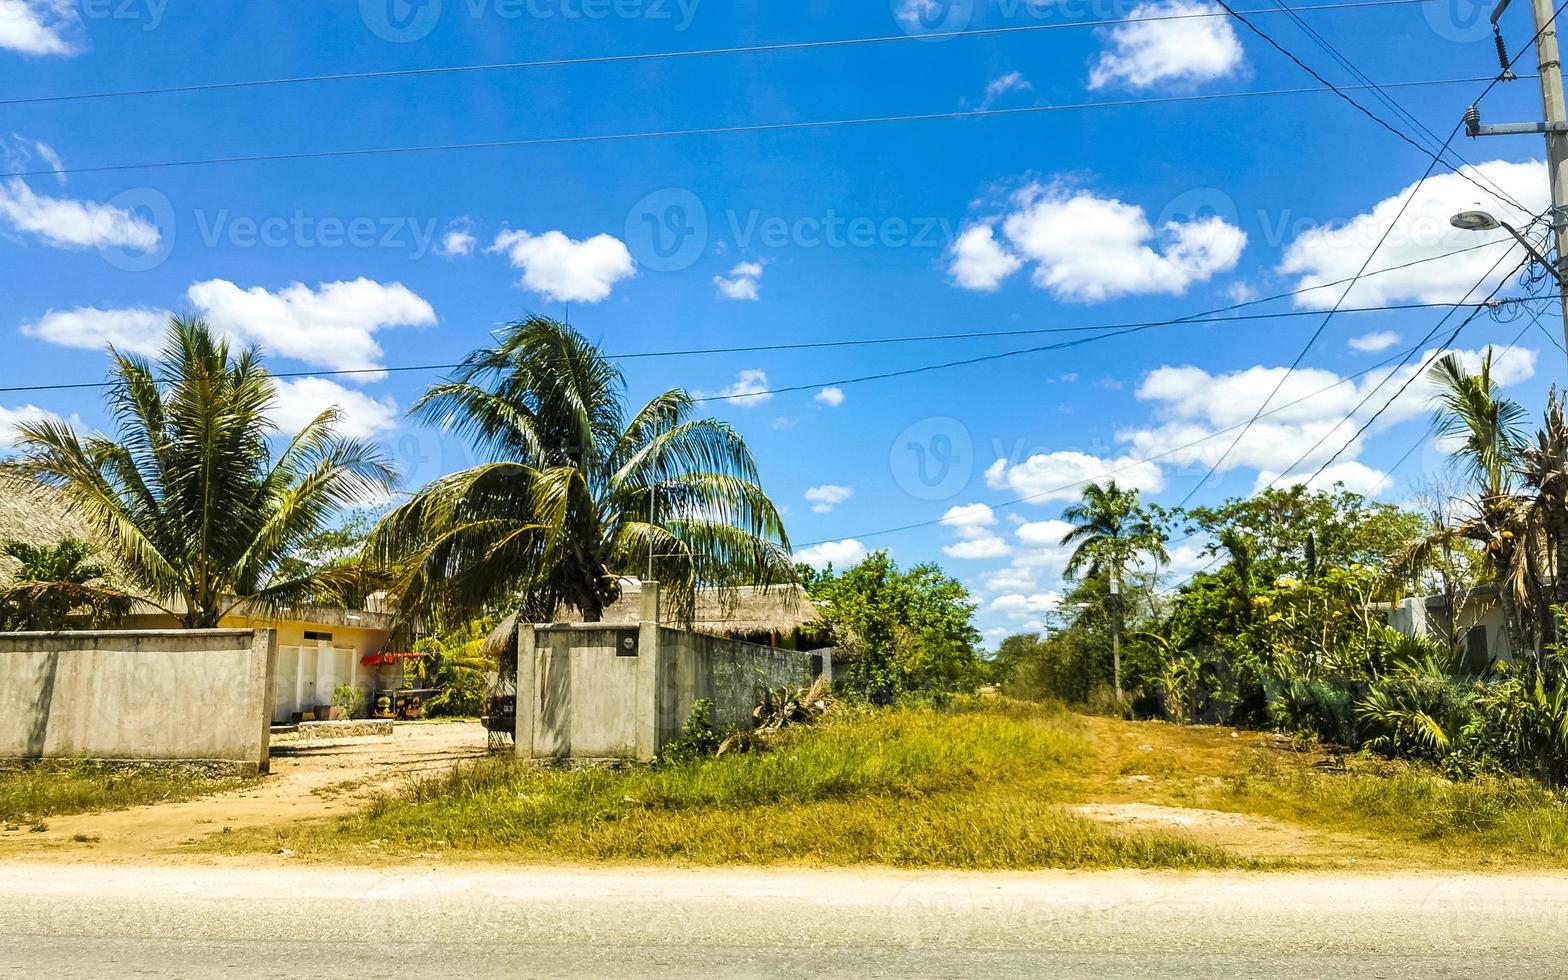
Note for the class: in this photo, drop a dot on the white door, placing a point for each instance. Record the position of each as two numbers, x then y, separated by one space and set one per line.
285 685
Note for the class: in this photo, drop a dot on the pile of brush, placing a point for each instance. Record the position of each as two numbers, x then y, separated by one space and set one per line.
781 708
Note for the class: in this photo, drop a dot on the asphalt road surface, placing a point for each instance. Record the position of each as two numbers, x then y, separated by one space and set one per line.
302 921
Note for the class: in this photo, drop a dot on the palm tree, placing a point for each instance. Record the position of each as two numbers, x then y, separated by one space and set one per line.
1486 428
52 582
1111 529
574 495
190 500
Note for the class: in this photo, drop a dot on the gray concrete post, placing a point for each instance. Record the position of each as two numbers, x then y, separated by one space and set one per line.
527 689
650 675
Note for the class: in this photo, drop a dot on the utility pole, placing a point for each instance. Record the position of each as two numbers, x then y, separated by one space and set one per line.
1116 630
1551 71
1555 127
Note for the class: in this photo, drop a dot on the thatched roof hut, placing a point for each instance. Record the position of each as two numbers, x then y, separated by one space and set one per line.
35 515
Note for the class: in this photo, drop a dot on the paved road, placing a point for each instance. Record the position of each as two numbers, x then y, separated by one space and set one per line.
86 921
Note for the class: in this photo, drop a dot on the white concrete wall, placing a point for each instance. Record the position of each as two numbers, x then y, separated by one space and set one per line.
186 695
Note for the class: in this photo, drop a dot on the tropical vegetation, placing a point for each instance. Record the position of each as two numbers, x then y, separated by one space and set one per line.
189 499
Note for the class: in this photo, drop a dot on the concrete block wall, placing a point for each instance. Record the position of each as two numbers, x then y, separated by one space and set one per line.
589 691
148 695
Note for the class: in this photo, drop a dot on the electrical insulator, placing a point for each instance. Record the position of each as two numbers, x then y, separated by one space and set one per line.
1502 55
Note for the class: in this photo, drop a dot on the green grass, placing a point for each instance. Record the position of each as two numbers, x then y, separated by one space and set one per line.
972 787
30 793
1484 819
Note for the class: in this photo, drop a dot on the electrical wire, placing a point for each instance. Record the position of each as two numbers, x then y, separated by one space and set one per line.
788 46
711 130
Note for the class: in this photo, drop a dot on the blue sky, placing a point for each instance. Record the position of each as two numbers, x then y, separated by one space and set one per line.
1006 222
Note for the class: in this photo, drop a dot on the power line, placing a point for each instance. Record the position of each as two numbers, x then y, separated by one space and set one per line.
1342 90
1196 319
719 130
1130 464
670 55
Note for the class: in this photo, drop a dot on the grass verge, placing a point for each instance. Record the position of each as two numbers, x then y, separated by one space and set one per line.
976 787
33 792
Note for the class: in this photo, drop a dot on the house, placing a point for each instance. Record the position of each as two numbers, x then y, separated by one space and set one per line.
782 617
1473 619
319 649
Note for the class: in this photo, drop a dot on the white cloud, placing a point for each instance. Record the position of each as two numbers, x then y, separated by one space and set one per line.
133 331
1021 606
300 400
749 390
979 261
832 397
1371 343
333 325
458 243
1357 478
1146 50
1089 249
1040 545
1335 251
969 515
1313 417
10 418
564 270
1013 579
978 547
842 554
824 498
1045 477
68 223
743 283
1002 85
38 27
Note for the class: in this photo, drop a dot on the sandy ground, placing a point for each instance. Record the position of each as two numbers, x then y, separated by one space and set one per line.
1242 832
308 779
88 921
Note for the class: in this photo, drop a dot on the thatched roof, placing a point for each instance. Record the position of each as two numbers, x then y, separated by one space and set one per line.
35 515
746 611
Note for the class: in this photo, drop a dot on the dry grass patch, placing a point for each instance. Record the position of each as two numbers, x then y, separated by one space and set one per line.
978 786
29 793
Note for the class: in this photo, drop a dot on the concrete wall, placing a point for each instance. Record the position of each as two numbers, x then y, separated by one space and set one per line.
186 695
588 691
1419 616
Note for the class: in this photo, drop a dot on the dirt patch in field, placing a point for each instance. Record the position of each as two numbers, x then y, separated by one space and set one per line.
308 779
1239 832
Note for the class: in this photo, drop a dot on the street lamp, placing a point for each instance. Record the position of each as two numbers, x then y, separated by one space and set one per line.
1478 220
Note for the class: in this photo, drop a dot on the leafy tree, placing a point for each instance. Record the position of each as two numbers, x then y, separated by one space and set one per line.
575 494
1111 530
905 631
189 499
53 582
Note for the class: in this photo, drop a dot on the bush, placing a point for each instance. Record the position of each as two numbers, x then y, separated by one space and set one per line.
351 699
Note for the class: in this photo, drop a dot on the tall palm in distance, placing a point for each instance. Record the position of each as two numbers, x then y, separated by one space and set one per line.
1111 530
188 498
574 494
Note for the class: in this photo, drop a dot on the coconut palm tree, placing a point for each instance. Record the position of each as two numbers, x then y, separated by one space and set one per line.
573 494
1486 429
1111 529
189 499
51 582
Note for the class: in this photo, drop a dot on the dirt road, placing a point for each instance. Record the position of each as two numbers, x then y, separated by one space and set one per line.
85 921
308 779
